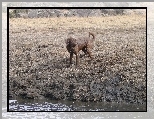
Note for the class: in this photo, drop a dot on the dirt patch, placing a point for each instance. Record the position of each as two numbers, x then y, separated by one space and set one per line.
38 59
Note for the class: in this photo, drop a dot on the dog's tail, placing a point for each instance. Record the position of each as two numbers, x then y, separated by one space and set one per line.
92 35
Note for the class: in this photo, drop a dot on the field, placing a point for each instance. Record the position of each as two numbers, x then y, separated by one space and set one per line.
38 59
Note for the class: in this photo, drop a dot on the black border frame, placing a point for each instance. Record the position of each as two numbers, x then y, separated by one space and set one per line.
8 8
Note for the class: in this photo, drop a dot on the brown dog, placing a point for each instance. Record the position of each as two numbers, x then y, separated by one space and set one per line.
85 44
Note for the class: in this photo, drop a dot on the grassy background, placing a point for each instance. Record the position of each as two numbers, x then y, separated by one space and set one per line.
125 21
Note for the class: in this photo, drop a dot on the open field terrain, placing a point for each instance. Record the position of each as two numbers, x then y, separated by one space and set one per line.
38 59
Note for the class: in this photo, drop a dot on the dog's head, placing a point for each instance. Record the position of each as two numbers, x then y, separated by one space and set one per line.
71 42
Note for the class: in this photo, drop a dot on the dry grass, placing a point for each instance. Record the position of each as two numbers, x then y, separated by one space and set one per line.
79 23
39 59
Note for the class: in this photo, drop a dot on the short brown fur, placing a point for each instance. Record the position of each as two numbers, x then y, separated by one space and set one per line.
85 44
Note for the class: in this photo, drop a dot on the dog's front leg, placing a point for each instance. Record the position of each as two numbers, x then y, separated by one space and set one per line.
71 56
77 59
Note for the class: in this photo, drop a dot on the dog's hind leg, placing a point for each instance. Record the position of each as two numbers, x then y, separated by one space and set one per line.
89 53
85 52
